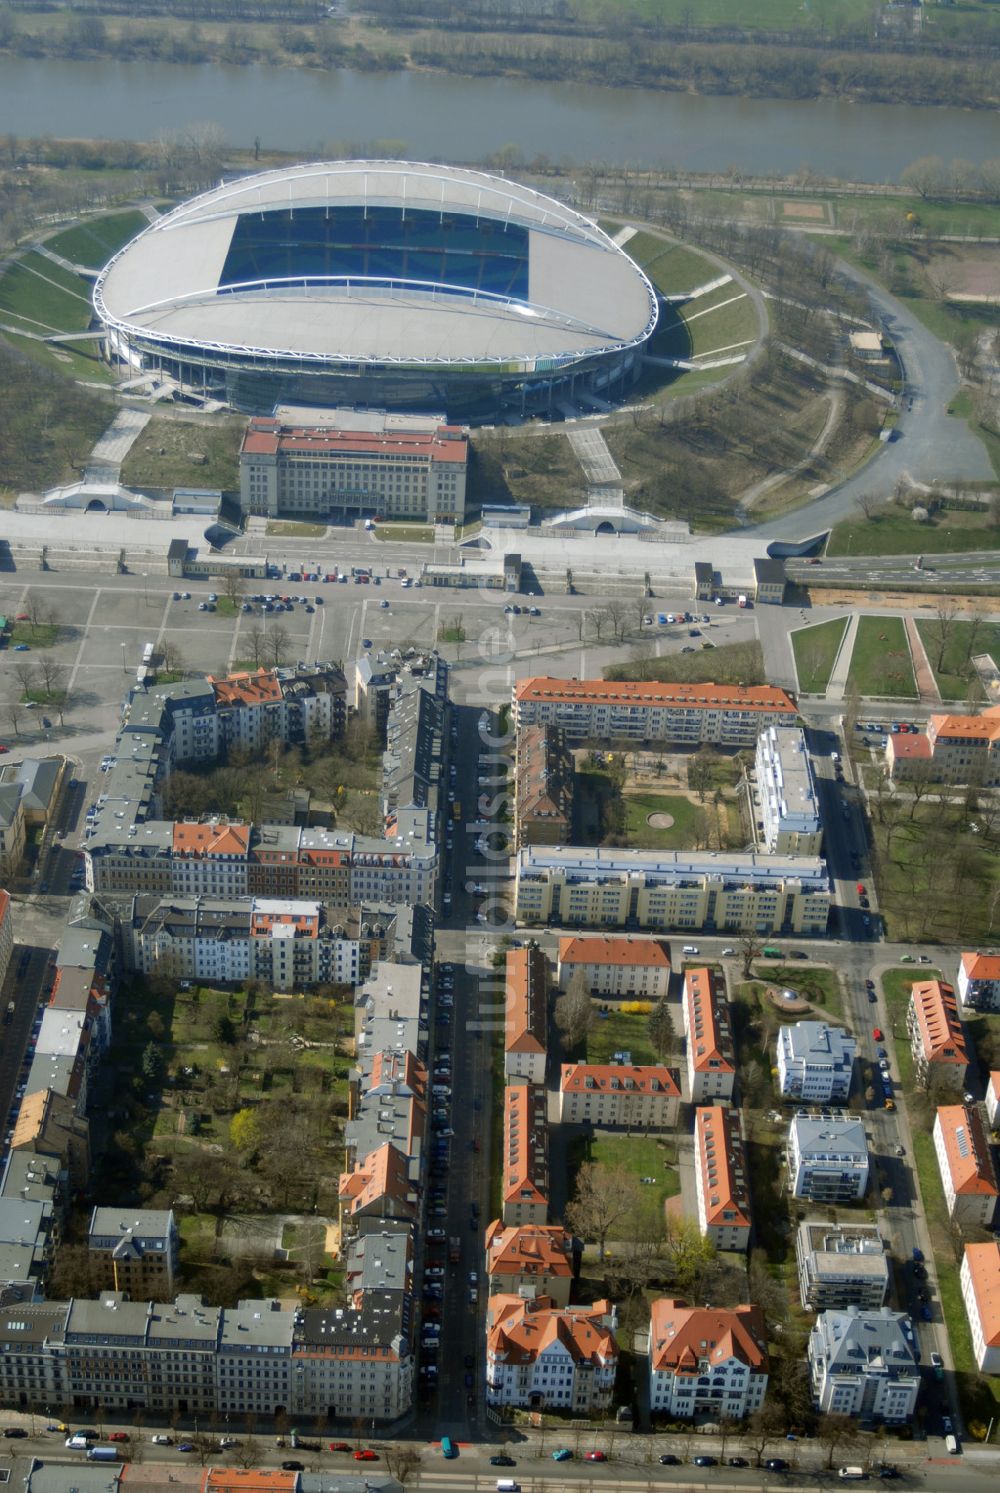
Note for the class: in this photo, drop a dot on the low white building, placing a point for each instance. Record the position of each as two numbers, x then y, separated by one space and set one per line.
980 1277
864 1363
706 1360
786 790
815 1062
827 1160
978 982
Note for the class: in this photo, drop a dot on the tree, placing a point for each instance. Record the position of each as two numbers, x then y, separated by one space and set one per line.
276 647
574 1012
25 673
662 1032
691 1253
867 504
605 1197
764 1426
941 630
926 176
834 1432
172 660
749 947
233 586
700 772
256 645
244 1130
12 710
152 1063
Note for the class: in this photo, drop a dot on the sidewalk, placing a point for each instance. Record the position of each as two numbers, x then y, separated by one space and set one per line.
922 671
842 664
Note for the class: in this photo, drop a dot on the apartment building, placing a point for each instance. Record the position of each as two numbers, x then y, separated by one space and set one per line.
530 1260
6 933
815 1062
689 891
865 1363
13 829
978 982
706 1360
827 1160
540 1356
619 1096
632 710
543 788
526 1014
993 1098
937 1038
134 1251
722 1180
616 968
980 1277
955 749
965 1161
841 1265
300 704
787 800
345 462
356 1362
289 943
708 1034
525 1183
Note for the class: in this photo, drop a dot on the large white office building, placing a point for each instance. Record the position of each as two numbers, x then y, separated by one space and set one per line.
815 1062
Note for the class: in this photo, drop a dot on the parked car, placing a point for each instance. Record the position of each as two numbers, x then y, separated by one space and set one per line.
502 1461
595 1456
562 1454
365 1454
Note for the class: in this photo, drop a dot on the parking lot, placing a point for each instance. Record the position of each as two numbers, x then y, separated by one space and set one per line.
104 627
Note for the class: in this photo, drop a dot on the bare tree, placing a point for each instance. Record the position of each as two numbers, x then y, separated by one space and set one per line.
574 1012
764 1426
171 657
233 586
606 1197
835 1431
277 645
26 674
867 504
255 642
942 629
12 709
749 948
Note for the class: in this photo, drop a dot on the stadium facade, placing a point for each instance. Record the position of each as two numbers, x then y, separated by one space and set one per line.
379 284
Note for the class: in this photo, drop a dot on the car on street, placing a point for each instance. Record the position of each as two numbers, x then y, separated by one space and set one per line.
185 1446
562 1454
365 1454
595 1456
157 1440
877 1033
502 1461
15 1433
123 1436
704 1461
339 1446
293 1467
776 1464
925 1313
669 1460
900 1150
937 1364
737 1462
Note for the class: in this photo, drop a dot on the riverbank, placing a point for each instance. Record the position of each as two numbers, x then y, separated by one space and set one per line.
706 65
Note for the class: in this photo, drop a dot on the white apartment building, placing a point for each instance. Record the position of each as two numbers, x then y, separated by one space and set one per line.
722 892
815 1062
865 1363
616 968
786 791
706 1360
827 1160
632 710
540 1356
618 1096
841 1265
978 982
709 1051
980 1276
965 1161
722 1180
526 1015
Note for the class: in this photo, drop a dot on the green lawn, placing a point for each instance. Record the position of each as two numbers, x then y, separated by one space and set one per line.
673 268
288 529
818 986
42 636
815 650
646 1156
683 833
44 295
880 663
405 533
963 406
893 532
92 243
896 986
719 322
779 15
620 1032
961 639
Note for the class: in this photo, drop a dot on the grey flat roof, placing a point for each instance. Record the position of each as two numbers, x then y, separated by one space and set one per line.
584 293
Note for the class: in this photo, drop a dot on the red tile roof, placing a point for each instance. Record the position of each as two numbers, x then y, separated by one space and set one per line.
984 1274
981 966
653 953
526 1019
518 1330
753 697
941 1034
683 1337
710 1035
528 1249
577 1078
967 1151
446 443
722 1167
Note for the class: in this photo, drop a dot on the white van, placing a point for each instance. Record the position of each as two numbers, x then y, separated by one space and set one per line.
951 1445
690 948
853 1474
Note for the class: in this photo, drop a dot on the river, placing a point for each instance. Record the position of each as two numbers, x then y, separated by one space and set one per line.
441 116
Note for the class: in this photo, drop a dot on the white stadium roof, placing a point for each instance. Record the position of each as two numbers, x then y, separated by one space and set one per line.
584 296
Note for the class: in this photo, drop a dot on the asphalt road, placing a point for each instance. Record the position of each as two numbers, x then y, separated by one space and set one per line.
930 444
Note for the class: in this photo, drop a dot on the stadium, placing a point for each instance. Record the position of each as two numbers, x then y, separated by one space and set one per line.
381 284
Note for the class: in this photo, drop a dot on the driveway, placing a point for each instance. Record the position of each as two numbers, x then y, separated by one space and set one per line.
930 444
